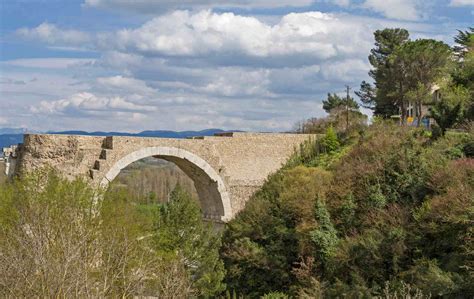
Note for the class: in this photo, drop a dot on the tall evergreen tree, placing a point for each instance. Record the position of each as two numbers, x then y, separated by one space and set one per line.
383 96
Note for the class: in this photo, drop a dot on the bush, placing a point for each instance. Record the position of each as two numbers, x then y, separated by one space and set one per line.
265 241
53 243
329 142
61 238
391 217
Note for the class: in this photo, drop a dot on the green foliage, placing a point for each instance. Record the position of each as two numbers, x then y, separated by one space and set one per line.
329 142
451 108
181 233
429 278
400 289
463 72
463 42
265 241
382 97
334 101
367 95
324 235
393 218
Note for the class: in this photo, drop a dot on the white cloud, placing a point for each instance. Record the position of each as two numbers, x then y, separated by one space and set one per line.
344 70
458 3
3 120
314 35
50 34
85 102
395 9
153 6
225 38
235 81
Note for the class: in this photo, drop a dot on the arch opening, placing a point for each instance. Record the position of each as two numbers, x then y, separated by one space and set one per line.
211 190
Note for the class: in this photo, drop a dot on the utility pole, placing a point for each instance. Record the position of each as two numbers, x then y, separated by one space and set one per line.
347 107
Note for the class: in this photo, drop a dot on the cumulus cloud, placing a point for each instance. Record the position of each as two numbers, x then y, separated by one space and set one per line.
458 3
222 38
51 34
85 102
396 9
153 6
313 35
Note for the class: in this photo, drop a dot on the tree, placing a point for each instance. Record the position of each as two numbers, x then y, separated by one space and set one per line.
57 241
421 63
183 236
463 42
463 72
446 114
383 98
329 142
334 101
367 95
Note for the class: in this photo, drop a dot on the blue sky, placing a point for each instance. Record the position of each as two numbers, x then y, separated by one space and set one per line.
132 65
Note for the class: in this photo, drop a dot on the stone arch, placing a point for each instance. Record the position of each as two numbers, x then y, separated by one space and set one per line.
211 189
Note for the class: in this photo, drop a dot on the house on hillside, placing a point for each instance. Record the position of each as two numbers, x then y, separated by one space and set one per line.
412 112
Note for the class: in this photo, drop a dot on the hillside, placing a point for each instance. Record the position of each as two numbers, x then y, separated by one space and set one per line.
390 210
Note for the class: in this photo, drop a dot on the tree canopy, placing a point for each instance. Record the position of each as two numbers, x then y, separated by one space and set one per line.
334 101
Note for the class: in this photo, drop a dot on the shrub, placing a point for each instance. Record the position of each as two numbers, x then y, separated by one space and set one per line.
329 142
390 218
61 238
53 243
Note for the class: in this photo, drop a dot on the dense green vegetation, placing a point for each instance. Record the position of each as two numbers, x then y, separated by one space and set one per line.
395 209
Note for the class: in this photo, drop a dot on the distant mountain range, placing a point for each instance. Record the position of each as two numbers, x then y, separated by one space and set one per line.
9 136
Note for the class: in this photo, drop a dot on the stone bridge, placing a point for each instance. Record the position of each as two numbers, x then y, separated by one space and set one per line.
226 169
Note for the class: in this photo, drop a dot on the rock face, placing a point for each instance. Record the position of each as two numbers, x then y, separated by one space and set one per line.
226 169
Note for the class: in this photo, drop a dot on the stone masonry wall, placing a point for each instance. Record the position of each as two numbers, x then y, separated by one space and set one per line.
242 161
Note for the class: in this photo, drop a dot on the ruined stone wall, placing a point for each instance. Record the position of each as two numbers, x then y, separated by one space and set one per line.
73 156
